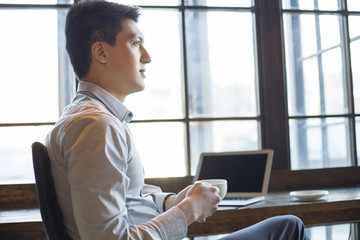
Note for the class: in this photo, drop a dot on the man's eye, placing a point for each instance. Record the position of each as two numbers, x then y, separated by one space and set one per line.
137 43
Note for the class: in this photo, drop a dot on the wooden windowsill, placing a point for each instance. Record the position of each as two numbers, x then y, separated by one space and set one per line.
23 196
341 205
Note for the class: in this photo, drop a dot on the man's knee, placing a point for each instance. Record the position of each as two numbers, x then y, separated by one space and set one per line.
279 227
291 219
294 226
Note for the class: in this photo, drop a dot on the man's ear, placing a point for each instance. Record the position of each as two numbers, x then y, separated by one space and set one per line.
98 52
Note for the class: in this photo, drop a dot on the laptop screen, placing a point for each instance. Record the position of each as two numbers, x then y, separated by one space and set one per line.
246 172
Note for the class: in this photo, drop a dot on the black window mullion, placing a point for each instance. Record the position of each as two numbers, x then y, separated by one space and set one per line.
185 91
345 38
272 86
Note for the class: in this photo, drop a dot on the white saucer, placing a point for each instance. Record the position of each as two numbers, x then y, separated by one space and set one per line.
308 195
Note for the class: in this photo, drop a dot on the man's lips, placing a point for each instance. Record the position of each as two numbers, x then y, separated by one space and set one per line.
142 72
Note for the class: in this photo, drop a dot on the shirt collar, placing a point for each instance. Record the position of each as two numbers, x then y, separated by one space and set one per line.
112 104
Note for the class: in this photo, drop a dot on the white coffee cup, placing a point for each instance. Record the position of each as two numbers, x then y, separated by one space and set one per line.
221 184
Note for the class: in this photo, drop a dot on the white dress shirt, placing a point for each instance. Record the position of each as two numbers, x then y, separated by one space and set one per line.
98 174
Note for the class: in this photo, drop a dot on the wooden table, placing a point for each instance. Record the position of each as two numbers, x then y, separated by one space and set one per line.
339 206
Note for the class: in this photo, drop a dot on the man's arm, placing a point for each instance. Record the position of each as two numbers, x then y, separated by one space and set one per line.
197 201
99 182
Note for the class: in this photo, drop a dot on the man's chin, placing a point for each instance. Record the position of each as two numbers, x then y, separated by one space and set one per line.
138 89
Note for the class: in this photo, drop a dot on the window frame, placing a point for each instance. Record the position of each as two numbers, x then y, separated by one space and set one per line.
350 116
273 118
187 120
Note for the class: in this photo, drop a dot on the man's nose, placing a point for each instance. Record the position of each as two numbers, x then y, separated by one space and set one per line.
145 56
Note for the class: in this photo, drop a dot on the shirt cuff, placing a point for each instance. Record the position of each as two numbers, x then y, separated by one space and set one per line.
159 198
173 224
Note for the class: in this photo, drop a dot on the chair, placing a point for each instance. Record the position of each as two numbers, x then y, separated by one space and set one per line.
49 207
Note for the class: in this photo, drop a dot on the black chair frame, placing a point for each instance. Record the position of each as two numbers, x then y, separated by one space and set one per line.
49 207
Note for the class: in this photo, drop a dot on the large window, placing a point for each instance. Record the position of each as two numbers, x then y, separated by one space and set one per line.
322 45
225 76
36 81
201 90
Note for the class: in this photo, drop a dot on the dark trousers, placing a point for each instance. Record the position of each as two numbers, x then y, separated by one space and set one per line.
286 227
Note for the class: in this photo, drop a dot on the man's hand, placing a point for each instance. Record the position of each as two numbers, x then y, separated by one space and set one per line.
199 202
174 200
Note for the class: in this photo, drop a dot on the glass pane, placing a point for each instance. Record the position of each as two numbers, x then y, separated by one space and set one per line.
221 64
329 26
222 136
330 5
315 72
331 232
354 30
47 2
150 3
319 143
161 147
15 152
209 237
354 22
162 97
353 5
30 65
334 83
222 3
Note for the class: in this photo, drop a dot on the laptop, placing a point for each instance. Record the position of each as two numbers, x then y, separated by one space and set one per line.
247 174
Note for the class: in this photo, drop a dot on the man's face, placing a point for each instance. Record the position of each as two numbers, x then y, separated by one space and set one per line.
126 61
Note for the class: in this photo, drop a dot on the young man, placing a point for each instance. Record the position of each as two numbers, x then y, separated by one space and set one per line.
97 172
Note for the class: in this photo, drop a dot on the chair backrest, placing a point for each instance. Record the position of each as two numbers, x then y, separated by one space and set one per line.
49 207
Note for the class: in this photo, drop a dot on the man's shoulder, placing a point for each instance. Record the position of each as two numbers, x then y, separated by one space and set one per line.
84 108
87 119
86 112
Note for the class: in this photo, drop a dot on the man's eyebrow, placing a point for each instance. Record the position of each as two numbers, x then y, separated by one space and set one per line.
137 35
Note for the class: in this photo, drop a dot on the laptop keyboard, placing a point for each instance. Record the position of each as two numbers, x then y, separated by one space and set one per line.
237 198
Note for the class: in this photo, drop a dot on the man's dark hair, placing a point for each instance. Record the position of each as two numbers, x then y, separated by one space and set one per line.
90 21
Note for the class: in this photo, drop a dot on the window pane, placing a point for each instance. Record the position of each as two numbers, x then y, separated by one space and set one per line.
162 97
311 4
329 31
15 152
315 75
353 5
221 64
354 30
319 143
335 102
331 232
217 3
222 136
161 147
29 65
354 22
150 3
209 237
